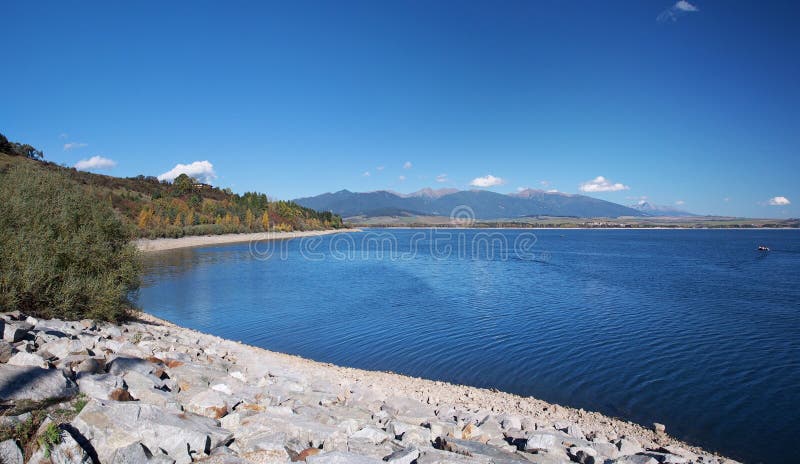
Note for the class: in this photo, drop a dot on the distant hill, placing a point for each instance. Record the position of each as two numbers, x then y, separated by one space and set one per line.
660 210
154 208
484 204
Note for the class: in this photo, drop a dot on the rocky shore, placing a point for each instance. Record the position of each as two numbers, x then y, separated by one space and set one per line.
148 391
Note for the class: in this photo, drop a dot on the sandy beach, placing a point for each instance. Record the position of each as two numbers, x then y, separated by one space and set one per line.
162 244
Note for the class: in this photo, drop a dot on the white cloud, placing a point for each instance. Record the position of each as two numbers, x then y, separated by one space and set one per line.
366 174
407 165
779 201
72 145
487 181
552 191
521 189
401 178
442 178
200 170
63 135
544 183
380 168
680 202
683 5
601 184
95 163
726 199
680 8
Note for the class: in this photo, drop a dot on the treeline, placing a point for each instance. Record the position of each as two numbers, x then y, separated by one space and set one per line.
151 208
181 209
19 149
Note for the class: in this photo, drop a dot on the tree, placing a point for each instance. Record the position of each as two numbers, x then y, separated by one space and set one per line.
63 251
249 219
265 221
183 184
144 218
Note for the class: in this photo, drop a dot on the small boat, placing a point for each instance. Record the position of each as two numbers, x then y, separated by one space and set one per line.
762 248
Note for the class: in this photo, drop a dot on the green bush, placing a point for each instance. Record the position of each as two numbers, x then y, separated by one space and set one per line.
63 251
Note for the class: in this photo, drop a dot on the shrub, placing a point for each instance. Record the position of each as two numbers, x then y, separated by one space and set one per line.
63 251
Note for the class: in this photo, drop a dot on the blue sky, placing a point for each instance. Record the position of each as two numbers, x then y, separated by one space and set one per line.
696 103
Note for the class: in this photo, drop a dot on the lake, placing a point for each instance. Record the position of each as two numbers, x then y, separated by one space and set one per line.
691 328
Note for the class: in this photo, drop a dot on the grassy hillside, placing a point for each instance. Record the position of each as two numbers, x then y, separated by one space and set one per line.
159 209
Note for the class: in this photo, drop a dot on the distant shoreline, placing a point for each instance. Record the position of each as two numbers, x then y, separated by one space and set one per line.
363 226
164 244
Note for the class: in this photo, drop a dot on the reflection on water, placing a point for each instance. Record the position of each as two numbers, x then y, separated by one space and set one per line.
694 329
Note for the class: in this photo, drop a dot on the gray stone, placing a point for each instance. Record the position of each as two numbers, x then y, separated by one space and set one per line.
665 458
68 451
121 365
511 422
135 453
340 457
10 453
148 389
372 434
99 386
6 350
23 358
210 403
542 441
476 449
34 383
403 456
635 459
628 446
110 425
435 456
15 331
63 347
408 410
606 450
584 455
659 428
89 366
416 436
298 428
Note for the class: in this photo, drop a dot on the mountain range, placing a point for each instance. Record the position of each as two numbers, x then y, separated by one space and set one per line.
660 210
484 204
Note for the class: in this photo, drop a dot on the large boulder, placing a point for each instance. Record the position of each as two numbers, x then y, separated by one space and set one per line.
10 453
100 386
24 358
340 457
111 425
34 383
15 331
6 351
69 451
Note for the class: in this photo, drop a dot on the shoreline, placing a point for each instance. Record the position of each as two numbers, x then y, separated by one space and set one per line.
164 244
151 387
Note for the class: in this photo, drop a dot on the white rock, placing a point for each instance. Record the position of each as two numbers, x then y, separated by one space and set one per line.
100 385
340 457
403 456
15 331
23 358
542 441
10 453
110 425
372 434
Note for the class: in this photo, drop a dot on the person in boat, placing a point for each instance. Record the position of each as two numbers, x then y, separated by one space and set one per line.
762 248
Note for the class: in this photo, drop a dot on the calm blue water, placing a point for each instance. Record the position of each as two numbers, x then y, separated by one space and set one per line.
691 328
